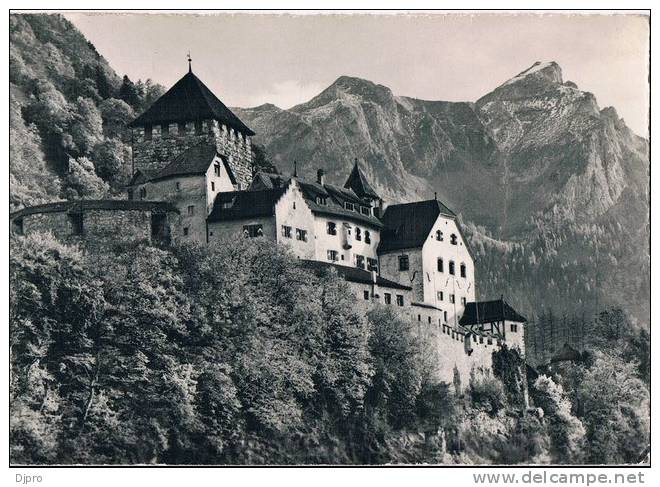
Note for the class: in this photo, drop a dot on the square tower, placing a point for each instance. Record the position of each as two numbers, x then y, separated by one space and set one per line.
185 116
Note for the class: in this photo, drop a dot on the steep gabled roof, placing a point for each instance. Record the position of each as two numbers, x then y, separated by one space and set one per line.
408 225
359 184
480 312
188 100
193 161
239 205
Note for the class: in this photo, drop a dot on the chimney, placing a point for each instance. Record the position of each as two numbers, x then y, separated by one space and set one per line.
320 177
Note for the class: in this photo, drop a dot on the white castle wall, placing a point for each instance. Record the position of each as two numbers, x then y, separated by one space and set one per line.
435 281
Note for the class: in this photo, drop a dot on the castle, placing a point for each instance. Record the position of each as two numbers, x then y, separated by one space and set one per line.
193 181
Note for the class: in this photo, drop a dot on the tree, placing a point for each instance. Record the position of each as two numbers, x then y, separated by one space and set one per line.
616 411
129 93
110 158
82 181
116 116
567 433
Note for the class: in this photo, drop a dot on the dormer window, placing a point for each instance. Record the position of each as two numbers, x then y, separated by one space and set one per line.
349 206
438 236
320 200
365 210
453 239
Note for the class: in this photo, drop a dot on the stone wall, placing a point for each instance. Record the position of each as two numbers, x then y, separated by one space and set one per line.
161 149
188 194
389 268
100 227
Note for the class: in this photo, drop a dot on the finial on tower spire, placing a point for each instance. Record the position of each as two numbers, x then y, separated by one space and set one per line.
435 195
295 168
189 63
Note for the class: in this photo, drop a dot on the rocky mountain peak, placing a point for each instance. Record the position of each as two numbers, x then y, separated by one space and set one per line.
539 78
539 71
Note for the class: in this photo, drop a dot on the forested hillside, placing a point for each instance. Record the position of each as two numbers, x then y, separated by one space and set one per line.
236 354
68 112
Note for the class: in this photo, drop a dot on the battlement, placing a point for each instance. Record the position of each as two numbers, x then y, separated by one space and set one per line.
155 146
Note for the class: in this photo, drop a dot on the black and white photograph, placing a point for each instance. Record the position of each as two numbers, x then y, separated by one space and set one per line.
329 238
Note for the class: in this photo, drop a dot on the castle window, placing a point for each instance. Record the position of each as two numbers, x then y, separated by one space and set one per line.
178 186
76 221
490 341
453 239
216 169
191 210
199 128
514 327
182 128
301 235
358 234
481 339
404 263
452 267
148 132
438 235
253 231
286 231
463 270
366 295
399 300
333 255
165 130
367 237
463 301
332 228
445 316
372 264
419 317
143 193
441 265
365 210
185 231
441 296
349 206
359 261
429 320
452 298
212 186
388 298
294 205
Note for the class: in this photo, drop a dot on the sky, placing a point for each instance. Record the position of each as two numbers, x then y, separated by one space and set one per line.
248 59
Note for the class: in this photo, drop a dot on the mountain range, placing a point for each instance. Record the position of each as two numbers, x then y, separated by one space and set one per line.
553 191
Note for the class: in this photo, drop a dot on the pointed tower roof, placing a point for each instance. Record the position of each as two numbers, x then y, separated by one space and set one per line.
359 184
188 100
